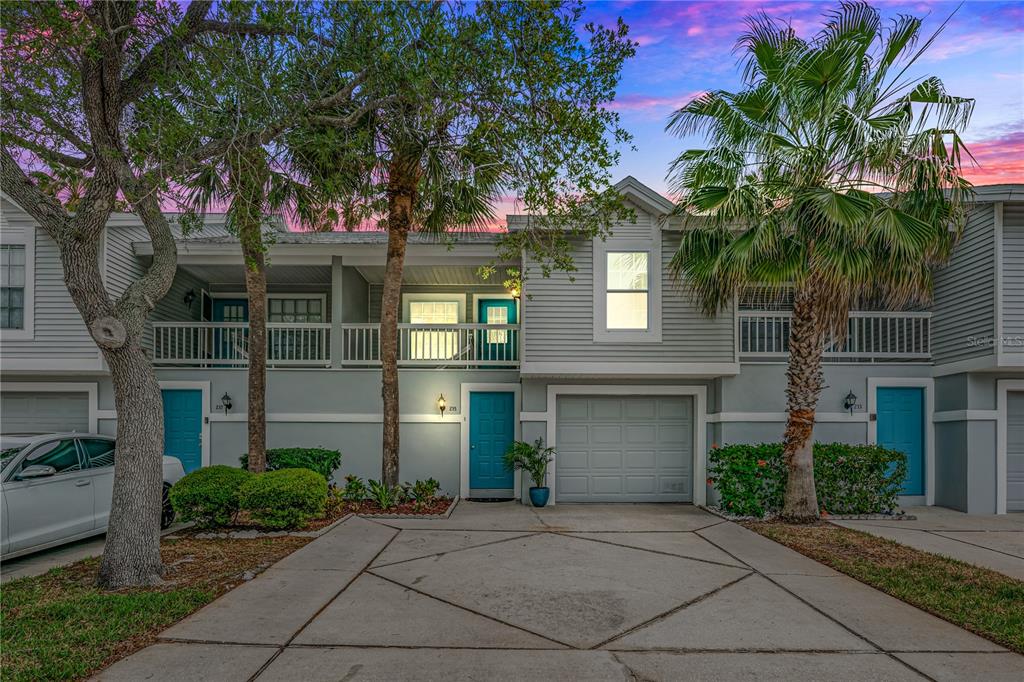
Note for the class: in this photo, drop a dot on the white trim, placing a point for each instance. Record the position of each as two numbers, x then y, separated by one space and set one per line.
204 386
1003 387
52 365
700 439
464 391
27 240
652 247
692 370
533 416
334 418
965 415
997 210
819 417
91 388
928 385
457 297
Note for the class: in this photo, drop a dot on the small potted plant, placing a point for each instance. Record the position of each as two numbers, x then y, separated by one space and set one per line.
534 460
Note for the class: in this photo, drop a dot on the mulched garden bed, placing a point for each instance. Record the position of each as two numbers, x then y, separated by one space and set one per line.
60 626
986 602
439 506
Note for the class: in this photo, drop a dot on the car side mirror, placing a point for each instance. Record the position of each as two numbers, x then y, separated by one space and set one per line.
35 471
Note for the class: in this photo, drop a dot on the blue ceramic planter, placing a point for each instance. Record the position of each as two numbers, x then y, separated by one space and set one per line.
539 496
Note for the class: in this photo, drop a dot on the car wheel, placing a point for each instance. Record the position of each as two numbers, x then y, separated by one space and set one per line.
167 511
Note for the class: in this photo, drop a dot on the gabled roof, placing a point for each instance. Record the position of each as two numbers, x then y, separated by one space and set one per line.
644 196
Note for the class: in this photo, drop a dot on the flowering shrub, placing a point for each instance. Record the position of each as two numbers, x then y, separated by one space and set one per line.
849 479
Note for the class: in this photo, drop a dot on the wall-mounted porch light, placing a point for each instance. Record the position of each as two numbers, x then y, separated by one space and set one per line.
189 297
514 290
849 402
225 400
441 404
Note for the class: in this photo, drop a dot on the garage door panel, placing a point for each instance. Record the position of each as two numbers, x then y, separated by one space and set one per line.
44 412
624 448
1015 451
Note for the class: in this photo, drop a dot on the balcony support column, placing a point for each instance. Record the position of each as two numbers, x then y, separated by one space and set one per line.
337 284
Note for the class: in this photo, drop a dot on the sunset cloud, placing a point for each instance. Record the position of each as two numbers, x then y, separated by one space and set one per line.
1000 160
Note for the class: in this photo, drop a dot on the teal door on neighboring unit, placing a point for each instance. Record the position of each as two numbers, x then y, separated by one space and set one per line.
497 344
231 343
183 426
491 431
900 416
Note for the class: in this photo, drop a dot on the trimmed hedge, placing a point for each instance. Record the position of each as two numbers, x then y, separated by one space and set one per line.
209 496
285 498
324 462
849 479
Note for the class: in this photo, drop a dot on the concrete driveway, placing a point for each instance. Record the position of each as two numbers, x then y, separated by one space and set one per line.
595 592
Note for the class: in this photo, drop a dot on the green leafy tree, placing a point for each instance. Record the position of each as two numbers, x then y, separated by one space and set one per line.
84 89
833 172
472 103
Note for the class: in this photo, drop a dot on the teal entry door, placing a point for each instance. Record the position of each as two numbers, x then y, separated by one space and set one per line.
183 426
231 343
498 344
491 431
900 416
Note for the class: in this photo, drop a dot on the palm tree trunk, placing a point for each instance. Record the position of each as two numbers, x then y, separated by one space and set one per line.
401 194
804 381
248 170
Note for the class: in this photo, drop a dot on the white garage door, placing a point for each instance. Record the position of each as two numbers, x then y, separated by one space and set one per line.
42 412
1015 451
624 449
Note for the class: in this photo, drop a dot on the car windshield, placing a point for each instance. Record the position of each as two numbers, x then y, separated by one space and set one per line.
7 456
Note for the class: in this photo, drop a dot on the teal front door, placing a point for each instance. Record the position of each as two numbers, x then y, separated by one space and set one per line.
497 345
231 342
491 431
901 427
183 426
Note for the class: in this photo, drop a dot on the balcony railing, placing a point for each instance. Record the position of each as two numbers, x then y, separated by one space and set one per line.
870 336
226 344
427 345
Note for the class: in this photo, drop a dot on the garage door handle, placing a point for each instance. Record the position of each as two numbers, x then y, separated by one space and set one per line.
82 483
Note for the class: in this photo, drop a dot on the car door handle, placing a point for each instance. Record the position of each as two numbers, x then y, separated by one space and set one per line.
82 482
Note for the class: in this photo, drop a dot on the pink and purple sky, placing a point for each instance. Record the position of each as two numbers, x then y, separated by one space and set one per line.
685 48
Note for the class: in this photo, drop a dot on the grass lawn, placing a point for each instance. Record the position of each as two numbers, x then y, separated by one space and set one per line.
59 626
985 602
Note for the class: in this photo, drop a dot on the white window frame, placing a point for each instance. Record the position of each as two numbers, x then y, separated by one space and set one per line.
452 297
308 297
24 239
600 266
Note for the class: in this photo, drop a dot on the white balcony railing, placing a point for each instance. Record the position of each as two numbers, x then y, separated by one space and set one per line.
870 336
226 344
428 345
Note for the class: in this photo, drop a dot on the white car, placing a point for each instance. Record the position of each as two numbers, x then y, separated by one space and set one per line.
57 488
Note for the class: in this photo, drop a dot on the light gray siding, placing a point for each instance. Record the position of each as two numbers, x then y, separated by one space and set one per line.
58 330
965 294
559 319
1013 278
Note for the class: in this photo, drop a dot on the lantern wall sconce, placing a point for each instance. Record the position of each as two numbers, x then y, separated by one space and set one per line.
514 291
189 297
442 404
850 402
225 400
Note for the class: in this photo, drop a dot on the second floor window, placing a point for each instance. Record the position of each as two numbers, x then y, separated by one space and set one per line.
12 287
295 310
627 290
434 344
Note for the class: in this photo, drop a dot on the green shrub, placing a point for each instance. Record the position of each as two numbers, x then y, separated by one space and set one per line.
849 479
324 462
354 490
421 492
385 496
285 498
209 496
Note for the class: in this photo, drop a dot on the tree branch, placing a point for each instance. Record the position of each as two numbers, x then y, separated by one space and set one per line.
44 209
50 155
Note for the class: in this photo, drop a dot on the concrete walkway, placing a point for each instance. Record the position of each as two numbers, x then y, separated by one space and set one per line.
995 542
596 592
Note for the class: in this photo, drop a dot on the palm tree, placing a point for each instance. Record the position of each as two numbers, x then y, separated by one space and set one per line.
833 172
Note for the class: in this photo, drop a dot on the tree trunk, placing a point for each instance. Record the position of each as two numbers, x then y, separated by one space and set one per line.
804 381
131 556
248 171
400 202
